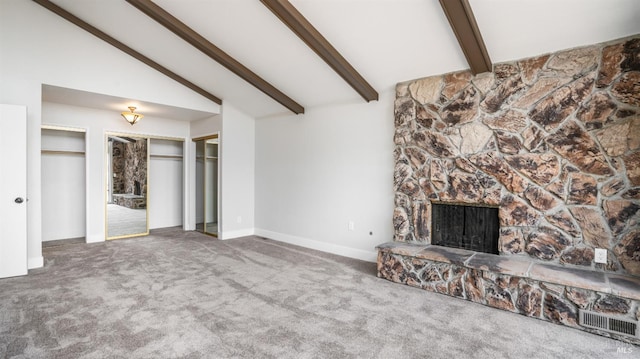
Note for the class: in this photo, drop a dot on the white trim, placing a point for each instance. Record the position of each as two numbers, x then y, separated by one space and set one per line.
35 262
369 256
62 128
237 234
94 238
142 135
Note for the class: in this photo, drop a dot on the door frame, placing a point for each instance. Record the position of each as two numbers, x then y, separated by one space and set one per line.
218 185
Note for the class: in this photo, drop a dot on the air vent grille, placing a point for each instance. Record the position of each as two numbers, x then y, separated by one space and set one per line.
609 323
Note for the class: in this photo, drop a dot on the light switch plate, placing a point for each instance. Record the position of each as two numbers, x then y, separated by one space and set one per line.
601 255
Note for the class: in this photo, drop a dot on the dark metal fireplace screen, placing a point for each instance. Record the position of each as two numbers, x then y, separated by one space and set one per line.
469 227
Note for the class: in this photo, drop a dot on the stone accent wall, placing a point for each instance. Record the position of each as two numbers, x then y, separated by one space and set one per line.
117 162
136 166
130 165
553 141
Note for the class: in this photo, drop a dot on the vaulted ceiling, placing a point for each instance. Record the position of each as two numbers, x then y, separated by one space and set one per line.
384 41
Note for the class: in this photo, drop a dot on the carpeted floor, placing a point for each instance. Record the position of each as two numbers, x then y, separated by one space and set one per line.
179 294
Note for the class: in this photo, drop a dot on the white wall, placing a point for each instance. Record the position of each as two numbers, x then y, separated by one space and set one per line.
38 47
206 127
63 190
165 184
318 171
237 182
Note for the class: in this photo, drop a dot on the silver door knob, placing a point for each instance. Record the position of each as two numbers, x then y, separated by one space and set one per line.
19 200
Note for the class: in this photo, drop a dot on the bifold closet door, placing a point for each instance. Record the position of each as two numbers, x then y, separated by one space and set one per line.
13 190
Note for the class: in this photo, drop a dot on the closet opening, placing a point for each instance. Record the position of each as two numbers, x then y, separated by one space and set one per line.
207 180
64 190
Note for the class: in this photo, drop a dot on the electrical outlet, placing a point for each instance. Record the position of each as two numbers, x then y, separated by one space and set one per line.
601 255
352 226
239 219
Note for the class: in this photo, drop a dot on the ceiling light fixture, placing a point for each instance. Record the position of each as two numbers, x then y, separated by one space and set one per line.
131 116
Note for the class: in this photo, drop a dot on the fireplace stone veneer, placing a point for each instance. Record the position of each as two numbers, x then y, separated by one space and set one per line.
548 292
552 141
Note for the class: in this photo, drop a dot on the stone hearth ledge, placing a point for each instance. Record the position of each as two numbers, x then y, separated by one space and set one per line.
608 283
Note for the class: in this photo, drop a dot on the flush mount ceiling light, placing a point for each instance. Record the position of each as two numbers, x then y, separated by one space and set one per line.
131 116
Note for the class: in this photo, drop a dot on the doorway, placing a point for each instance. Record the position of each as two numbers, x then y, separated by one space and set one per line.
207 179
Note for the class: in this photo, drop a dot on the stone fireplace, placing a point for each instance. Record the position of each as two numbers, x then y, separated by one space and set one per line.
552 143
130 167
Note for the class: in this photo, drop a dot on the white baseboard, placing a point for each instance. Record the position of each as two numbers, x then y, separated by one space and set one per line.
369 256
237 234
95 238
35 262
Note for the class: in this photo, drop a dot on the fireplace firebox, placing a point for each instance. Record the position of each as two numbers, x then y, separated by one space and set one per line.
469 227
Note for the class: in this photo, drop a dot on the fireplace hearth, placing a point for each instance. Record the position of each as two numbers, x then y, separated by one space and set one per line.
468 227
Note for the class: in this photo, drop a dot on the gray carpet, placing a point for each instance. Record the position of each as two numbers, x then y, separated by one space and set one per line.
179 294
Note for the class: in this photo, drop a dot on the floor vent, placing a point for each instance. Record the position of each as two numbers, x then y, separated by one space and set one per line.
609 323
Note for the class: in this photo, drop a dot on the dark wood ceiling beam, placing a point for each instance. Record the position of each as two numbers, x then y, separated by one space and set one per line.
468 34
126 49
205 46
291 17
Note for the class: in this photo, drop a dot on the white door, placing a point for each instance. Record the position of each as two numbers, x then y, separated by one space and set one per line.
13 190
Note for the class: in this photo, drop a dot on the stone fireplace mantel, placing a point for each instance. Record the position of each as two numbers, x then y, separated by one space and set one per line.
552 141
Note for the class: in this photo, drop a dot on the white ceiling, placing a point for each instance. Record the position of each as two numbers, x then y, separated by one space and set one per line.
387 41
115 104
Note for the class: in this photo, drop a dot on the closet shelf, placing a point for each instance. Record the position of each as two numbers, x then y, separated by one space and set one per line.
166 156
208 157
62 152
